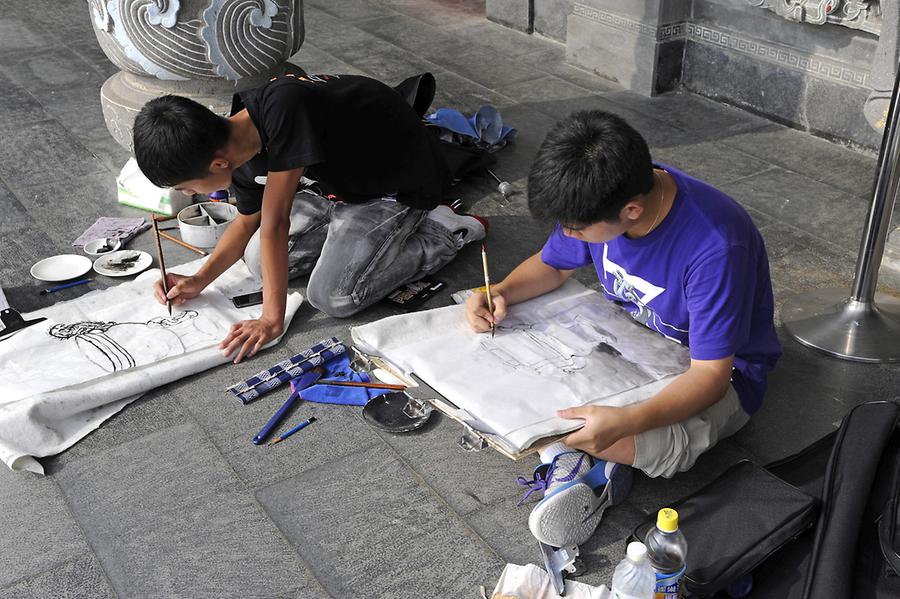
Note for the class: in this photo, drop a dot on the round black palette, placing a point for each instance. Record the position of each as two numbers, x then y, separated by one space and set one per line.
387 413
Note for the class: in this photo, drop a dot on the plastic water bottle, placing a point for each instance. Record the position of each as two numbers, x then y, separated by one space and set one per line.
667 550
634 577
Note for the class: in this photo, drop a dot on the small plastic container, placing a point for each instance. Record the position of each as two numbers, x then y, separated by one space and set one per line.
219 196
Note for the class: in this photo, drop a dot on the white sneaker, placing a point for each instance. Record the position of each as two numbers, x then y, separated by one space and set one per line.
466 227
577 490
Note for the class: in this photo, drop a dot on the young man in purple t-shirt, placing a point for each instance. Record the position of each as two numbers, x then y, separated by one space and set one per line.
685 260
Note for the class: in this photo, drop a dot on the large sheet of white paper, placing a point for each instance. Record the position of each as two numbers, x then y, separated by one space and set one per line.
567 348
61 378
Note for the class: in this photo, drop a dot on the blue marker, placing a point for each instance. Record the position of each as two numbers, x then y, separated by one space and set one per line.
302 425
65 286
305 380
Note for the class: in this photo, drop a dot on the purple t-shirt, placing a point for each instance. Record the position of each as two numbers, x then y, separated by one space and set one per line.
700 278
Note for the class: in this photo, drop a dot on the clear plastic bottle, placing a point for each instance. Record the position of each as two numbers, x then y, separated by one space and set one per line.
667 550
634 577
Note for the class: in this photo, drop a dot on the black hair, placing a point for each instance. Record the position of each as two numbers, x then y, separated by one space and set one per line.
176 138
588 167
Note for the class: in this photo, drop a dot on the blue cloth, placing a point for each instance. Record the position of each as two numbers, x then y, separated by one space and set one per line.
701 278
485 128
338 369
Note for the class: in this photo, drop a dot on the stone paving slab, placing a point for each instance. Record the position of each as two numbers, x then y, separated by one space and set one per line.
45 143
39 530
81 578
830 163
817 209
167 517
712 162
165 498
368 527
467 481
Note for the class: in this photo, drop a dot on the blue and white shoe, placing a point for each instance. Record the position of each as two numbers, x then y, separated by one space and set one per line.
577 490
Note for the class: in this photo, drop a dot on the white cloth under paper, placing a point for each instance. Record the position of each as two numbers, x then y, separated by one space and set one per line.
61 378
567 348
532 582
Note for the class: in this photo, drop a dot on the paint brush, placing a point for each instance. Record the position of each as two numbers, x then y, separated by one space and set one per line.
184 244
487 287
162 263
372 385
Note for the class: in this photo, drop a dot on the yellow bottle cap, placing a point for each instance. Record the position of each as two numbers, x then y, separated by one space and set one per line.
667 520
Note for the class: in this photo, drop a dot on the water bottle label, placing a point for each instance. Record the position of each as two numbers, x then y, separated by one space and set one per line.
668 586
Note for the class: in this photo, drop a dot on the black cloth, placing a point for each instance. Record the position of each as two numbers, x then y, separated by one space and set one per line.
356 136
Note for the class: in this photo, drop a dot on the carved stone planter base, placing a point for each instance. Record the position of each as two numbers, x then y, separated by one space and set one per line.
202 49
123 95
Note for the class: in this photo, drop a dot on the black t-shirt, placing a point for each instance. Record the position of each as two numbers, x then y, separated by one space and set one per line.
355 135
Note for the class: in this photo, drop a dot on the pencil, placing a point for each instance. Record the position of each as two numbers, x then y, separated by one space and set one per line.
374 385
185 244
287 434
487 287
162 263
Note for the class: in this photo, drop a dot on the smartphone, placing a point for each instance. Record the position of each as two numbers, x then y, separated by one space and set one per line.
247 300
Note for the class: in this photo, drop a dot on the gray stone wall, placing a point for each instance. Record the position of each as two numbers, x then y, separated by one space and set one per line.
816 77
826 72
551 16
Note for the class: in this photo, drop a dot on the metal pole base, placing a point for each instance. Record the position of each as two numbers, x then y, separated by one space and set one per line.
829 321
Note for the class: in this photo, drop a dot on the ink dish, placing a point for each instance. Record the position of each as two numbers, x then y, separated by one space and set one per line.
104 245
397 412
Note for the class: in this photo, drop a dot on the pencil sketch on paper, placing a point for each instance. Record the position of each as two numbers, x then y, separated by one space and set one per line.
115 346
567 348
569 337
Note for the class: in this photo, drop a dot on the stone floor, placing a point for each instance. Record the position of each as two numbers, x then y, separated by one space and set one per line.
170 499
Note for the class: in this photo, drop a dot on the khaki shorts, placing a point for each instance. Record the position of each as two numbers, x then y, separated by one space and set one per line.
670 449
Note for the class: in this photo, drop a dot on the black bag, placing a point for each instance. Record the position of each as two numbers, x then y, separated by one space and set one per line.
821 523
418 91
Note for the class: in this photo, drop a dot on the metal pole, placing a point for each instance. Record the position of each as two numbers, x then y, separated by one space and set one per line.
856 327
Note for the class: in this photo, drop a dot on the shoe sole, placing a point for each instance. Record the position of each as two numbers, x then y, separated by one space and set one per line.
551 519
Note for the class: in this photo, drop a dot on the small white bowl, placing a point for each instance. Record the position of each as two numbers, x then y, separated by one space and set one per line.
106 244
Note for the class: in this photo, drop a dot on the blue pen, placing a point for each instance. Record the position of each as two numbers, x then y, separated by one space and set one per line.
306 379
65 286
303 424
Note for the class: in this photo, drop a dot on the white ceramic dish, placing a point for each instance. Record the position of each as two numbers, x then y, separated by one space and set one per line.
94 247
123 263
61 268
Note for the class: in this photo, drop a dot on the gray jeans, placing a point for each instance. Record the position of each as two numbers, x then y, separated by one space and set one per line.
357 253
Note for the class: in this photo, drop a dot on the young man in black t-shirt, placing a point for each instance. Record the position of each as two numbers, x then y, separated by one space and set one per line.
334 175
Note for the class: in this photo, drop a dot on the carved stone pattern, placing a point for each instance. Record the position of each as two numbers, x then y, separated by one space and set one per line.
100 14
789 57
855 14
243 35
663 33
232 39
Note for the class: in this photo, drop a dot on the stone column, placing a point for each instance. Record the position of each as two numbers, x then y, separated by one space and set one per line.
516 14
639 45
203 49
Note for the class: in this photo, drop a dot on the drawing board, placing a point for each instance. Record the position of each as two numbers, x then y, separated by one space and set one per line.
63 377
568 348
